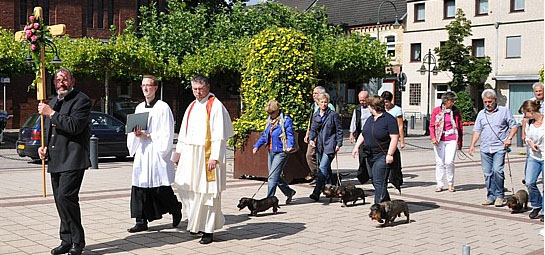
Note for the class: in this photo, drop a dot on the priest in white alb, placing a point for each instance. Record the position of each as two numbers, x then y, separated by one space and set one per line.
200 155
153 170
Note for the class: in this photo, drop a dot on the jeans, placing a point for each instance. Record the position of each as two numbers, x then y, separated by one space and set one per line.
445 152
493 173
277 161
324 172
534 168
380 171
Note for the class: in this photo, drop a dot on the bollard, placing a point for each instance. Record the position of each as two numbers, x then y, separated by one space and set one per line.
412 121
405 128
425 123
94 152
465 249
520 143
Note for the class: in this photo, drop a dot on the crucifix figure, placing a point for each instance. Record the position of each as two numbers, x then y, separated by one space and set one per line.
56 30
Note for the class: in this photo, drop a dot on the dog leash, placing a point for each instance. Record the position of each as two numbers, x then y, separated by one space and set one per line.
338 176
509 167
264 181
463 156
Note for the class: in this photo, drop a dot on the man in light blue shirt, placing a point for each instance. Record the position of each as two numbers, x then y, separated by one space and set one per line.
496 126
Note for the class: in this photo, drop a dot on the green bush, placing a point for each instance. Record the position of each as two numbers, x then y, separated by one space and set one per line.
279 66
465 104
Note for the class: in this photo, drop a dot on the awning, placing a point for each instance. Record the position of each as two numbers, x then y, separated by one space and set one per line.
520 77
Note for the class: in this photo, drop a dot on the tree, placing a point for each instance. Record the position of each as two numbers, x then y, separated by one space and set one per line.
279 66
455 57
12 55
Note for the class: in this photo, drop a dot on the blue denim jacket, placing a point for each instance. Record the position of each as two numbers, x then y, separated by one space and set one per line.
277 145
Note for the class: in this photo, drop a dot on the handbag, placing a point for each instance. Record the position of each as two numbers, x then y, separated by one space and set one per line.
284 138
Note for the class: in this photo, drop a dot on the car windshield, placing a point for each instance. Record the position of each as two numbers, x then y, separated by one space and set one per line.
31 121
127 105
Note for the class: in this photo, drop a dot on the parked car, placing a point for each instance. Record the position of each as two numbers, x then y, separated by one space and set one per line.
112 140
121 107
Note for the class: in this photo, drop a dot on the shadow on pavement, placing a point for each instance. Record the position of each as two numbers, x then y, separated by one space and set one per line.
465 187
416 207
264 231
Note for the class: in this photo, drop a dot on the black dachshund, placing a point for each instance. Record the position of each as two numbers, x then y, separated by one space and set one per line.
257 206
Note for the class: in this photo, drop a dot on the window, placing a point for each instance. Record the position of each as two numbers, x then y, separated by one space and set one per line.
90 12
419 12
442 44
517 5
415 94
391 46
416 52
478 48
481 7
100 14
110 13
22 12
513 47
449 9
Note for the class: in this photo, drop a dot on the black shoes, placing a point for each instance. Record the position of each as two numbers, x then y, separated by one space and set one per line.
177 216
290 197
314 197
61 249
206 238
535 213
138 228
76 249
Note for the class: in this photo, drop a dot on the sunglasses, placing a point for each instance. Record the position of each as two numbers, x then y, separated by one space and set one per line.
271 113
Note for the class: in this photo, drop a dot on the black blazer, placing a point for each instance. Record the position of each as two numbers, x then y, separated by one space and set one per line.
68 133
329 131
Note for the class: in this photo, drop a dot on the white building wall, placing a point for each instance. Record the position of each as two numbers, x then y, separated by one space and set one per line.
494 28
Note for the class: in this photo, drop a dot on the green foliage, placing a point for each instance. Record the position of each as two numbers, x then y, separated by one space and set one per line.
541 75
352 58
123 57
279 66
12 55
465 104
455 57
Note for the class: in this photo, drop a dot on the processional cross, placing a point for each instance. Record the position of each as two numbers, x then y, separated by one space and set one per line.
55 30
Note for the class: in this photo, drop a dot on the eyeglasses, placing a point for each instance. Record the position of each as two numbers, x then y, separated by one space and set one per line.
271 112
147 85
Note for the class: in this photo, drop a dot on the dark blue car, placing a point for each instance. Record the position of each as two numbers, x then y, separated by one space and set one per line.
112 140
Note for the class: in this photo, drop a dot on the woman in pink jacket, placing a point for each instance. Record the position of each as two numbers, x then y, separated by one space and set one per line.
446 135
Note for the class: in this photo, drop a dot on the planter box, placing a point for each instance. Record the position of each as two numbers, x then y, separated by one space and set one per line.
250 165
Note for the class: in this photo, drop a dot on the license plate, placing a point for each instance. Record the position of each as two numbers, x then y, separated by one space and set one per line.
21 147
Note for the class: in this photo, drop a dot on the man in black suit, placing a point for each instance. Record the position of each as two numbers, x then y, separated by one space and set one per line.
67 150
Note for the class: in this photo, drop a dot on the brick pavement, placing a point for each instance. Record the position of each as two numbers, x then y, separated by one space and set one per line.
440 222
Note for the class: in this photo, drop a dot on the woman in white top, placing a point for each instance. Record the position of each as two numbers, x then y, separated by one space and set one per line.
534 165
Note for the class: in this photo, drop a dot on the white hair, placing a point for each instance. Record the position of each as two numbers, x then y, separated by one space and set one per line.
537 84
320 88
488 93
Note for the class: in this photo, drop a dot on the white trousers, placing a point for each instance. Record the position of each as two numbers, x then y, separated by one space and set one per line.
445 152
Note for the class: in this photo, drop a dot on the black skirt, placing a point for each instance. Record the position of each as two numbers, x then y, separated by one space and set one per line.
152 203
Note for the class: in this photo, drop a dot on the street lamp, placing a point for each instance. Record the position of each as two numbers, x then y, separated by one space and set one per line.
396 22
428 59
396 25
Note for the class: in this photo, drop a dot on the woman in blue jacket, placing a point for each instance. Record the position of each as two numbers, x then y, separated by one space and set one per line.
327 130
278 136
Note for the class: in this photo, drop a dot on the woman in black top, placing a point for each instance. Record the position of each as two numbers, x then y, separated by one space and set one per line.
380 135
327 130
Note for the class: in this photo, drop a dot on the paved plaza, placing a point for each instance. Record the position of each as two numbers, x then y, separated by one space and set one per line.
441 222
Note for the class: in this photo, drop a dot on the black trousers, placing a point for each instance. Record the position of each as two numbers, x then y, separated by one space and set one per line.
149 204
66 186
364 171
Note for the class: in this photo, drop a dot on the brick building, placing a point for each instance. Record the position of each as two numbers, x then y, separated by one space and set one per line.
86 18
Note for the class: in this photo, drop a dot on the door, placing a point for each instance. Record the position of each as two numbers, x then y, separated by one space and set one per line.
518 93
440 89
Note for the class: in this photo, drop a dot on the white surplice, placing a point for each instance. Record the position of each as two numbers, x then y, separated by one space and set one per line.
152 166
202 199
